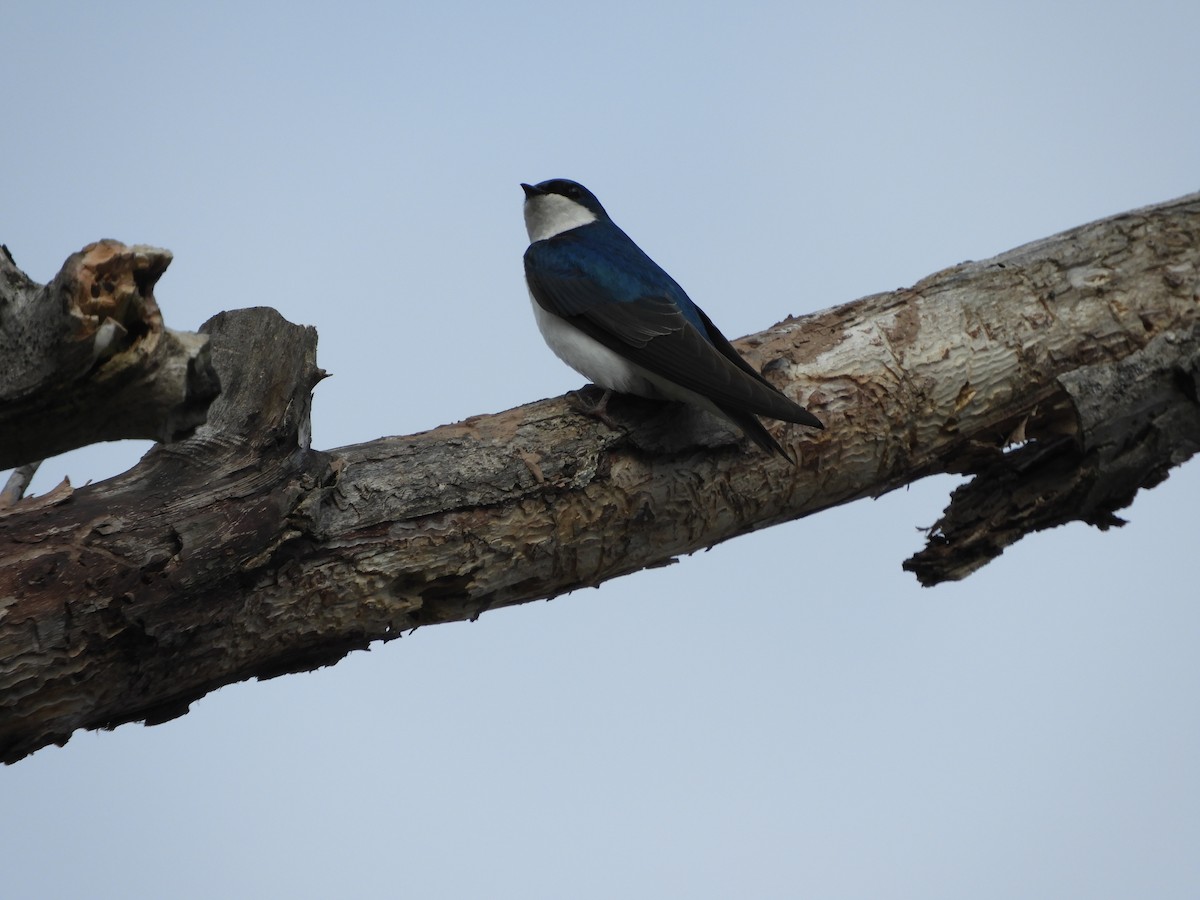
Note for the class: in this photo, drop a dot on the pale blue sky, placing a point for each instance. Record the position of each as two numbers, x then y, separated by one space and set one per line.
786 715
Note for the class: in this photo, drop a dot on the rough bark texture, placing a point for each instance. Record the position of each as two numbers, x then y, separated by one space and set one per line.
1063 373
86 358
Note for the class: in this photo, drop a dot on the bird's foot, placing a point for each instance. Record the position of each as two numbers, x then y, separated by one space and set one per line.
594 409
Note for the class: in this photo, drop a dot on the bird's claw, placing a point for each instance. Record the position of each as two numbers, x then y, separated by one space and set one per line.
593 409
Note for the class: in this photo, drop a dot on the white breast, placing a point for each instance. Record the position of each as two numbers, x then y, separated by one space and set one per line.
588 356
603 367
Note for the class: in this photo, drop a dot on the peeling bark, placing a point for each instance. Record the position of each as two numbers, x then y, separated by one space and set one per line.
1063 375
86 358
1134 420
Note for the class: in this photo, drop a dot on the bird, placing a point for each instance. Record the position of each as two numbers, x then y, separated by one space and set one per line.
610 312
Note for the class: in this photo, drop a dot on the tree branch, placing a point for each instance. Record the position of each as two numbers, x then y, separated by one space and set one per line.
1064 373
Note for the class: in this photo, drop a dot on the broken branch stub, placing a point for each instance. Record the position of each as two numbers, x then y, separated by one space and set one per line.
86 358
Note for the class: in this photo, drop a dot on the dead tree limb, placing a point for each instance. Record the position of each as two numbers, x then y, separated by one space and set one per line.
86 358
1063 374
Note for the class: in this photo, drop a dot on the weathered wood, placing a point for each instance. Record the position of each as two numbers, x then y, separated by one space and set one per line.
18 481
86 358
240 552
1136 419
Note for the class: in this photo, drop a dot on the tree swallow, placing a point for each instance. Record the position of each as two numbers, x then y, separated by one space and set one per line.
608 311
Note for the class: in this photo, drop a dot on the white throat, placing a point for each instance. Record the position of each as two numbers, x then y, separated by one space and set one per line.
549 214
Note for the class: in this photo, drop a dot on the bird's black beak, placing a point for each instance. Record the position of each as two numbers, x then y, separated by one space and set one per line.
531 191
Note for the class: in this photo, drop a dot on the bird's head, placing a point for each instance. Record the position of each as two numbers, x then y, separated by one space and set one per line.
558 205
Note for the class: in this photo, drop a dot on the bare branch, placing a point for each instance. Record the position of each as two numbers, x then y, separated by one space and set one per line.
1063 373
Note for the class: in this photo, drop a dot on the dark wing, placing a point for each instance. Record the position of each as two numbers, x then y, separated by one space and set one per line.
798 413
645 323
